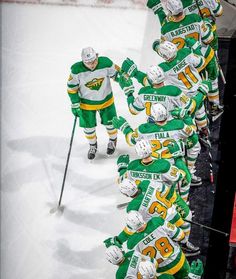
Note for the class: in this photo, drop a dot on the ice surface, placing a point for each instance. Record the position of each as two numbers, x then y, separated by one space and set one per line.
39 44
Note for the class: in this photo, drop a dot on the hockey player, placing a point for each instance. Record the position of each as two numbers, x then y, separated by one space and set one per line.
134 265
209 9
182 27
145 167
211 70
147 271
155 200
160 134
90 91
182 70
158 239
128 262
169 95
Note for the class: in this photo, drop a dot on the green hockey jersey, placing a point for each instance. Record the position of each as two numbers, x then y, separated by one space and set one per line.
170 96
128 269
158 240
153 201
190 26
182 72
159 170
92 88
161 135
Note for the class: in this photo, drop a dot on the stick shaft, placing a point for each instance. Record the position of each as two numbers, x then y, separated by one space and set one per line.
206 227
67 161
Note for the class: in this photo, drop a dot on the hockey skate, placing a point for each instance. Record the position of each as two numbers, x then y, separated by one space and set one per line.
216 111
189 249
111 147
92 151
204 137
196 180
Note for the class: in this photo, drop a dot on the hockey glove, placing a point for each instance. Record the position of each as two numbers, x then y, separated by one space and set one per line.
179 113
155 5
112 241
121 124
129 67
174 149
126 85
122 162
196 269
76 109
205 87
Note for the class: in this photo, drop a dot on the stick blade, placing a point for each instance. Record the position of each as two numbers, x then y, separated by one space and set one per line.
57 209
122 205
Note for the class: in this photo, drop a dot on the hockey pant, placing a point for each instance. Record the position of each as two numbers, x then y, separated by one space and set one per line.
213 74
192 154
185 213
201 118
184 185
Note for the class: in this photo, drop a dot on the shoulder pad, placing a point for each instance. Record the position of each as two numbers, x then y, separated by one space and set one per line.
105 61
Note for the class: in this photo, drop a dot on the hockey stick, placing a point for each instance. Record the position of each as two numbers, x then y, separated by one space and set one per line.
122 205
220 69
59 207
208 228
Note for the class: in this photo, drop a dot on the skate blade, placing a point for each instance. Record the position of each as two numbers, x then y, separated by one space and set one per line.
214 118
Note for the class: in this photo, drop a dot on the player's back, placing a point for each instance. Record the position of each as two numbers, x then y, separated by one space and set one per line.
129 267
161 135
181 72
170 96
150 202
138 171
176 32
154 241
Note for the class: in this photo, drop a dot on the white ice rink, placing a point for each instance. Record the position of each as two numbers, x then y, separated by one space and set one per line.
39 44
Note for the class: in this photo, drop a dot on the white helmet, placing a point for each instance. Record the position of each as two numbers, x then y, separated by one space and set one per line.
167 50
88 55
143 148
128 187
175 7
114 254
147 270
159 112
134 220
155 75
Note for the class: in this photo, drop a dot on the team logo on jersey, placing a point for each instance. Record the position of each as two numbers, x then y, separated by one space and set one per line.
95 84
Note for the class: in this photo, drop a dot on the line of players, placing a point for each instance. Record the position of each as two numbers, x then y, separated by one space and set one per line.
158 220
